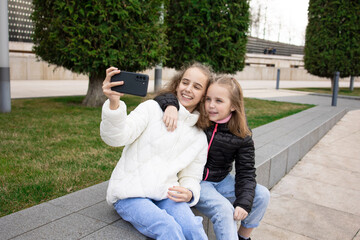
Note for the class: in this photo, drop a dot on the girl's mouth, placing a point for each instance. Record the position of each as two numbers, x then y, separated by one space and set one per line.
186 96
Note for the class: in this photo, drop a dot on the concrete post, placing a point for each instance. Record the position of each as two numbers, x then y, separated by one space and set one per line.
158 68
351 83
336 89
5 98
158 77
278 79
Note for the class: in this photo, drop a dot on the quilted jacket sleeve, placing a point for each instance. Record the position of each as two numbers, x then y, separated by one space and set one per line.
119 129
167 99
245 181
191 176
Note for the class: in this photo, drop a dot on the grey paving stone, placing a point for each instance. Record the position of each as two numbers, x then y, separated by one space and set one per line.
288 139
276 233
258 143
269 150
101 211
320 193
278 167
74 226
83 198
273 135
114 233
324 128
28 219
293 156
309 219
122 225
263 174
260 159
305 145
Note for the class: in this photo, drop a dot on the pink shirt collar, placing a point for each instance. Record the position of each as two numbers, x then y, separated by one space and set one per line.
225 120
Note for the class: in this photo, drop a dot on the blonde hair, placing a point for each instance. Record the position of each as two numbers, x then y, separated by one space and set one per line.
175 81
237 123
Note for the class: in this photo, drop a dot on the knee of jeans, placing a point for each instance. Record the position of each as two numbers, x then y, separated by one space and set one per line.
173 226
194 224
223 211
263 196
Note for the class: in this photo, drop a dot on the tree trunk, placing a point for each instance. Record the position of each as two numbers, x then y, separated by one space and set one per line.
95 96
351 88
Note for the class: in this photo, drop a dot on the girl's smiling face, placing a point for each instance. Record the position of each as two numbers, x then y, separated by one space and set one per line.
191 88
217 102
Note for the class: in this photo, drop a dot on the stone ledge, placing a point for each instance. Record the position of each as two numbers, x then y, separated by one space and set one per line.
282 143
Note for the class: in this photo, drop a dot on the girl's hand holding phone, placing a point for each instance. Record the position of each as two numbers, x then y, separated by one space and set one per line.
113 96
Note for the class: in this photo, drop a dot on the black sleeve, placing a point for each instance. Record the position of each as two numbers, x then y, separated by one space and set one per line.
167 99
245 175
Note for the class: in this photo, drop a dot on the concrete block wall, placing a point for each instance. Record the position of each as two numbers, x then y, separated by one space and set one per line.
25 66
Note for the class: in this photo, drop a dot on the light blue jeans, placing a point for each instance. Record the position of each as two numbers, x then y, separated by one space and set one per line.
163 219
216 202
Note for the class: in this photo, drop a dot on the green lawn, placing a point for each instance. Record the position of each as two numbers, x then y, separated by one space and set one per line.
51 147
342 91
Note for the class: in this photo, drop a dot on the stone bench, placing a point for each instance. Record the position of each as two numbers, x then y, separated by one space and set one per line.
85 214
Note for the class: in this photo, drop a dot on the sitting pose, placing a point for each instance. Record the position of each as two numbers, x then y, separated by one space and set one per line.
225 198
157 178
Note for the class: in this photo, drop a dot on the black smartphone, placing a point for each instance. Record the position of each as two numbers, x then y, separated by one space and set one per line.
134 83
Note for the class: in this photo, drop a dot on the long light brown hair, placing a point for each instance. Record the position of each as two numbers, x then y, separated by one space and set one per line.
176 79
237 123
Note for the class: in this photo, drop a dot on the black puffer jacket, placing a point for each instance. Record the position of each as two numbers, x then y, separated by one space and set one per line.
226 148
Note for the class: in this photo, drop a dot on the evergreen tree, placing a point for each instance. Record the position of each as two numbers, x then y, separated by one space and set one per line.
88 36
333 38
208 31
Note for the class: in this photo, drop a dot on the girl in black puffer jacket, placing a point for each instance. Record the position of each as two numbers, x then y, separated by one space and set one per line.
225 198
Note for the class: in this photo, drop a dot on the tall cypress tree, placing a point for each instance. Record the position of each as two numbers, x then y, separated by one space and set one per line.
333 38
88 36
208 31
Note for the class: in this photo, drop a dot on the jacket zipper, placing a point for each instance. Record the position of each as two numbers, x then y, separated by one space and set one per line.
212 138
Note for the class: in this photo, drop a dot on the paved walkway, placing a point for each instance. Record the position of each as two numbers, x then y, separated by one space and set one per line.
318 199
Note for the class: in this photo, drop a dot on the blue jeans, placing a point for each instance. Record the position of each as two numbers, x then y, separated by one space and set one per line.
216 202
163 219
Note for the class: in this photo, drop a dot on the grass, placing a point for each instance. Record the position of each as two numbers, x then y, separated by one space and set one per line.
51 147
342 91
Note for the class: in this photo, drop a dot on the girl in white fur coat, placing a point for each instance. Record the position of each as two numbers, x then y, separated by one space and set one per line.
156 180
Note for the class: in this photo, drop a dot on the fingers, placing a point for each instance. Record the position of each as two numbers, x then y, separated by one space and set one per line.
170 123
107 88
111 71
240 214
107 84
179 194
113 96
170 118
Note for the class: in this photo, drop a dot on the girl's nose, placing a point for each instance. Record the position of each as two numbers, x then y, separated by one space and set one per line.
188 88
211 104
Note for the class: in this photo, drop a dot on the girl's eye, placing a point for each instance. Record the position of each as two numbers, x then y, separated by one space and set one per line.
184 82
219 101
207 99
